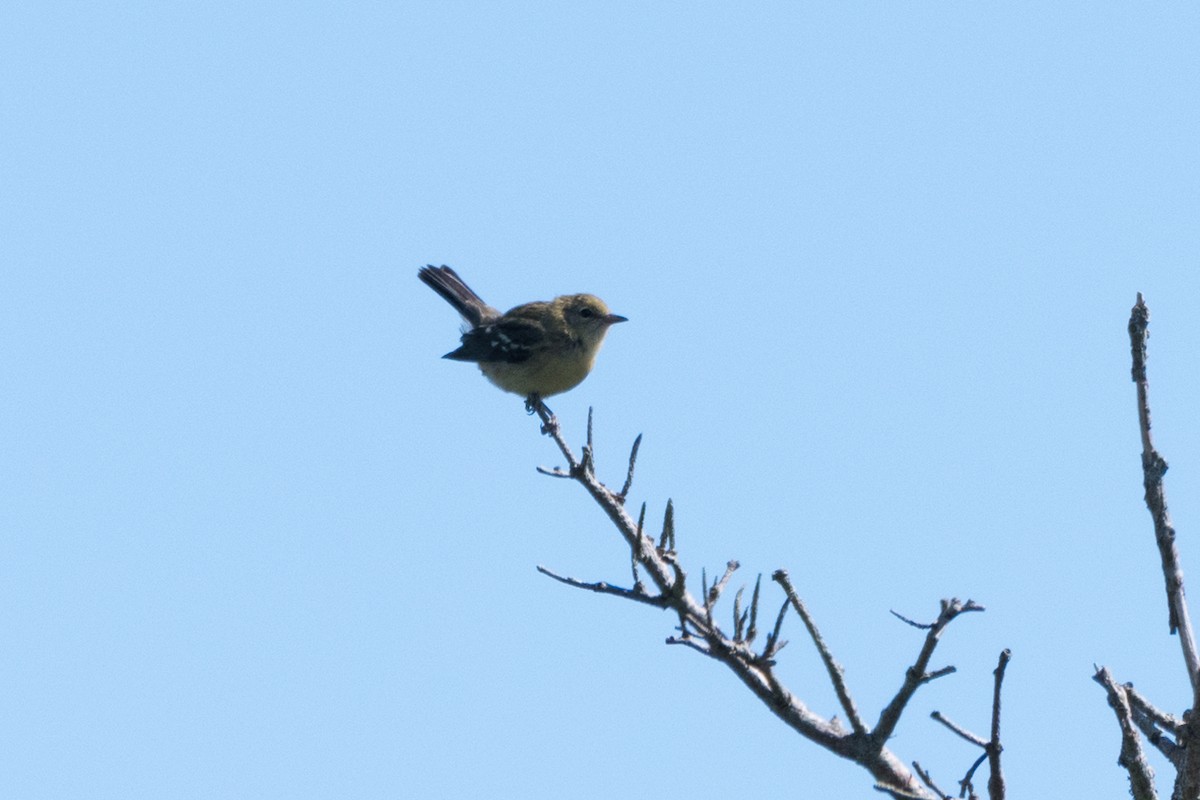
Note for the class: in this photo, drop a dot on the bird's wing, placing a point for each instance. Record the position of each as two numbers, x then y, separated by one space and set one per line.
509 340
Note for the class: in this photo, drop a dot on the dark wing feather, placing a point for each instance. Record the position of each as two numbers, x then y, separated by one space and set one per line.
508 340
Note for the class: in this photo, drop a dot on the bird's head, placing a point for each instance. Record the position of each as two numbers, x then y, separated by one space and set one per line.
588 317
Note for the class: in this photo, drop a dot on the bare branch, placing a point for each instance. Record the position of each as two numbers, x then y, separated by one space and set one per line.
692 642
1160 728
837 675
602 587
991 747
666 542
917 674
752 632
923 774
1163 742
919 625
939 673
551 428
967 784
1168 722
996 787
774 645
697 631
588 460
960 731
1132 758
902 794
554 472
1154 466
714 593
739 616
629 475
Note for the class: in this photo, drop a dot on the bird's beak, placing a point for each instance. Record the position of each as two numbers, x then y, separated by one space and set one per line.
612 319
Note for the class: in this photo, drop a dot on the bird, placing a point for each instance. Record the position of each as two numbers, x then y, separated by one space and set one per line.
535 350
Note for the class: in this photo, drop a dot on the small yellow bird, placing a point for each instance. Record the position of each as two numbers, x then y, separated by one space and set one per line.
535 350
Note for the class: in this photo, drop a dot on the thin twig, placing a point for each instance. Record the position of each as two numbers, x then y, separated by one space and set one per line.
692 642
714 593
666 542
926 779
554 472
996 787
959 730
551 428
902 794
774 645
919 625
752 632
633 454
837 675
917 674
967 784
603 587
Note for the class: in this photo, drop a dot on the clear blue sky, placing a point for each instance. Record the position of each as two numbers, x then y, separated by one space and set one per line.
258 540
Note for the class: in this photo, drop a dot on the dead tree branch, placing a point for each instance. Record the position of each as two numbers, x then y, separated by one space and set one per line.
917 675
1178 741
1132 758
1154 467
667 588
996 788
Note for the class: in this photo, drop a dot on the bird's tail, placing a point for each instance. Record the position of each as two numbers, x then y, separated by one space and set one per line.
454 291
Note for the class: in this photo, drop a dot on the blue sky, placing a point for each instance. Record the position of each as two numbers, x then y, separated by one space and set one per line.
258 540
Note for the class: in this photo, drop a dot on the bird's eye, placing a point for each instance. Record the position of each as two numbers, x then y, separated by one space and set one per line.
586 313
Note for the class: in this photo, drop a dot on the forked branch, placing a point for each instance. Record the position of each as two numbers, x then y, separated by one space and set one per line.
697 628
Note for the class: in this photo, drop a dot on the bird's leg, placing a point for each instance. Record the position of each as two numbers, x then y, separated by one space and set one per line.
534 405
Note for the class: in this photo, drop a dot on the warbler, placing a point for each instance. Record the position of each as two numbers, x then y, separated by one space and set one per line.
535 350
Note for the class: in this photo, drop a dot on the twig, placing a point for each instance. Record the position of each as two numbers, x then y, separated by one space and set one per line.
967 784
902 794
603 587
633 454
752 631
1162 719
588 460
692 642
554 472
837 675
958 730
739 616
551 428
924 626
927 779
666 542
917 674
714 593
996 786
1162 742
774 645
